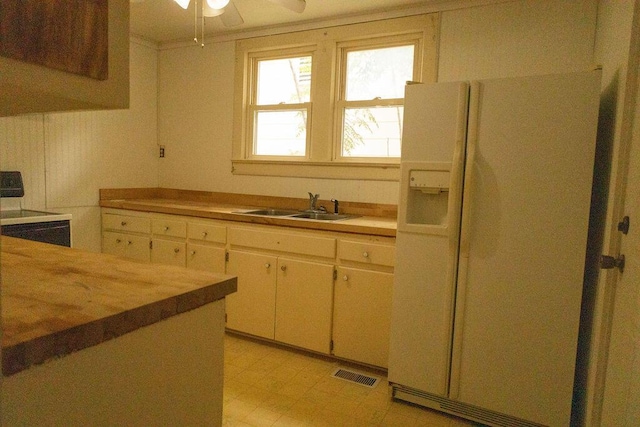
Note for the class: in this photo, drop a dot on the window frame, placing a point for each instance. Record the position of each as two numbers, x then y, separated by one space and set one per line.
341 104
323 156
253 107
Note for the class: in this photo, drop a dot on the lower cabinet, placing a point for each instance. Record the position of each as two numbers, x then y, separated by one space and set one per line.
304 299
321 291
168 252
251 308
208 258
362 313
281 298
126 245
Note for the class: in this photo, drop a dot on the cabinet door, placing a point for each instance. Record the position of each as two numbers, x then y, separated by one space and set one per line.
362 315
252 308
113 243
169 252
208 258
303 304
126 245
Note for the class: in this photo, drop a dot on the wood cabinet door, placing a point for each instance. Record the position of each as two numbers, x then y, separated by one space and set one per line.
169 252
304 303
252 308
208 258
362 315
126 245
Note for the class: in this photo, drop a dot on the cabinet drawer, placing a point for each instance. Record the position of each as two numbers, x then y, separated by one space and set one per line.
368 253
294 243
207 232
169 227
134 224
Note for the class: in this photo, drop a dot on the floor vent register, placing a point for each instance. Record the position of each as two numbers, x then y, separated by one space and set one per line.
355 377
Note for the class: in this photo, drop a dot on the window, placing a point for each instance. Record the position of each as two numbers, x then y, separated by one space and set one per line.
328 103
370 107
280 107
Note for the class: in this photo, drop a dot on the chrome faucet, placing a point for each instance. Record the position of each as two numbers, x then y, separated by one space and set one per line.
313 200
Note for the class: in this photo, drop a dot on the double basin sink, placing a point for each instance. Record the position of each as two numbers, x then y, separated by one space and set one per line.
287 213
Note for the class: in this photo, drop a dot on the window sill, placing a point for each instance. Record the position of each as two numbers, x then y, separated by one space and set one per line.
326 170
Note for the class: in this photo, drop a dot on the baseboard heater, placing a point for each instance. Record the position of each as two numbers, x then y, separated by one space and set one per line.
463 410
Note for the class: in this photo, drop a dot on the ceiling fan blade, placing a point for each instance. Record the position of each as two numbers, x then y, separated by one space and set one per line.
294 5
231 17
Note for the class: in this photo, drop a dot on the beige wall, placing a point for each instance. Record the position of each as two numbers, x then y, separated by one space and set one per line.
195 102
66 157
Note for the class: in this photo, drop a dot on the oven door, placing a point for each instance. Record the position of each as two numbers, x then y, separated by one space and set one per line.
55 232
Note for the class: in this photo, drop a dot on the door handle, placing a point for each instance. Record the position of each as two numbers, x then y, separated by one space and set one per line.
608 262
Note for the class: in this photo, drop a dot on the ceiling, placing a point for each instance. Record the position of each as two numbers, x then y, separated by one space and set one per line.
163 21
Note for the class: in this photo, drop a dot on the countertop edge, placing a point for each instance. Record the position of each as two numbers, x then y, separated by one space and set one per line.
354 226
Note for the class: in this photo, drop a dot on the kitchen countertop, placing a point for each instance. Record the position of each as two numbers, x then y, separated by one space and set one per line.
230 208
57 300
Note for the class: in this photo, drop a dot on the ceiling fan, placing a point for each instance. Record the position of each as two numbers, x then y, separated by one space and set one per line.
228 12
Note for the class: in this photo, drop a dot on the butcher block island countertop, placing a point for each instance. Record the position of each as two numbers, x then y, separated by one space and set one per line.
371 218
58 300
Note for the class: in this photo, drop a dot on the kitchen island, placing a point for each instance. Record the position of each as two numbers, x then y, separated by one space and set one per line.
93 339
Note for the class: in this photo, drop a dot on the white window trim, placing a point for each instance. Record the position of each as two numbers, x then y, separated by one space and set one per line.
322 159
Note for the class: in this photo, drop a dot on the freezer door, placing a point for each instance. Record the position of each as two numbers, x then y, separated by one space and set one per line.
427 238
524 234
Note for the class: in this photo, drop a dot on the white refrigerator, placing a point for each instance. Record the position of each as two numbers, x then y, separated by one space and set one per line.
496 179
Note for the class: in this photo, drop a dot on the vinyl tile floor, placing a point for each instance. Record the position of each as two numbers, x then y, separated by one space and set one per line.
268 385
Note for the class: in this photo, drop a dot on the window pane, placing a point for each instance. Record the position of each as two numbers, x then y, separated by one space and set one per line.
378 73
280 133
372 132
284 81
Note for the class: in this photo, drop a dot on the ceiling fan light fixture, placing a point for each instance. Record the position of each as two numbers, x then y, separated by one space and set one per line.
217 4
209 11
183 3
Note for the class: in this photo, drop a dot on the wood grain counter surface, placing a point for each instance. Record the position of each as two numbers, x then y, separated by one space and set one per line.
370 219
57 300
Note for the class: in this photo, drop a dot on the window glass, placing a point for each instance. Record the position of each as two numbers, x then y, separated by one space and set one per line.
281 133
285 80
372 132
373 100
280 125
382 73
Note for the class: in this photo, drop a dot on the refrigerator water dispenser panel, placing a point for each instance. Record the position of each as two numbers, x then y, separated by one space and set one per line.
428 181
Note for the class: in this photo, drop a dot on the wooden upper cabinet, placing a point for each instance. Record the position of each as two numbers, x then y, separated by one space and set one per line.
62 55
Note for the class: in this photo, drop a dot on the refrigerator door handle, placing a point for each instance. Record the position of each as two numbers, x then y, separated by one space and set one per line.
465 232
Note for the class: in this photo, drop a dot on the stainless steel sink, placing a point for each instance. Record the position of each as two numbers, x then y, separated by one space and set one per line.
323 216
293 214
271 212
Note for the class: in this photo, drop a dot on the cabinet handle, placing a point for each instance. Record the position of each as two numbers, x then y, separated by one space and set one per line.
267 265
176 250
283 267
365 254
123 223
166 228
345 278
129 242
193 253
118 240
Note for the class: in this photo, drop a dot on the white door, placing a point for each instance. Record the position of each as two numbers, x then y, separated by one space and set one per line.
621 405
524 233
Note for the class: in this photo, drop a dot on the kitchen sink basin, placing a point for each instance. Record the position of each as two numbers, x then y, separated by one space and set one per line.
271 212
323 216
293 214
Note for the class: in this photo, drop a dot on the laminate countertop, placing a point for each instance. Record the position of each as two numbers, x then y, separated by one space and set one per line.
57 300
